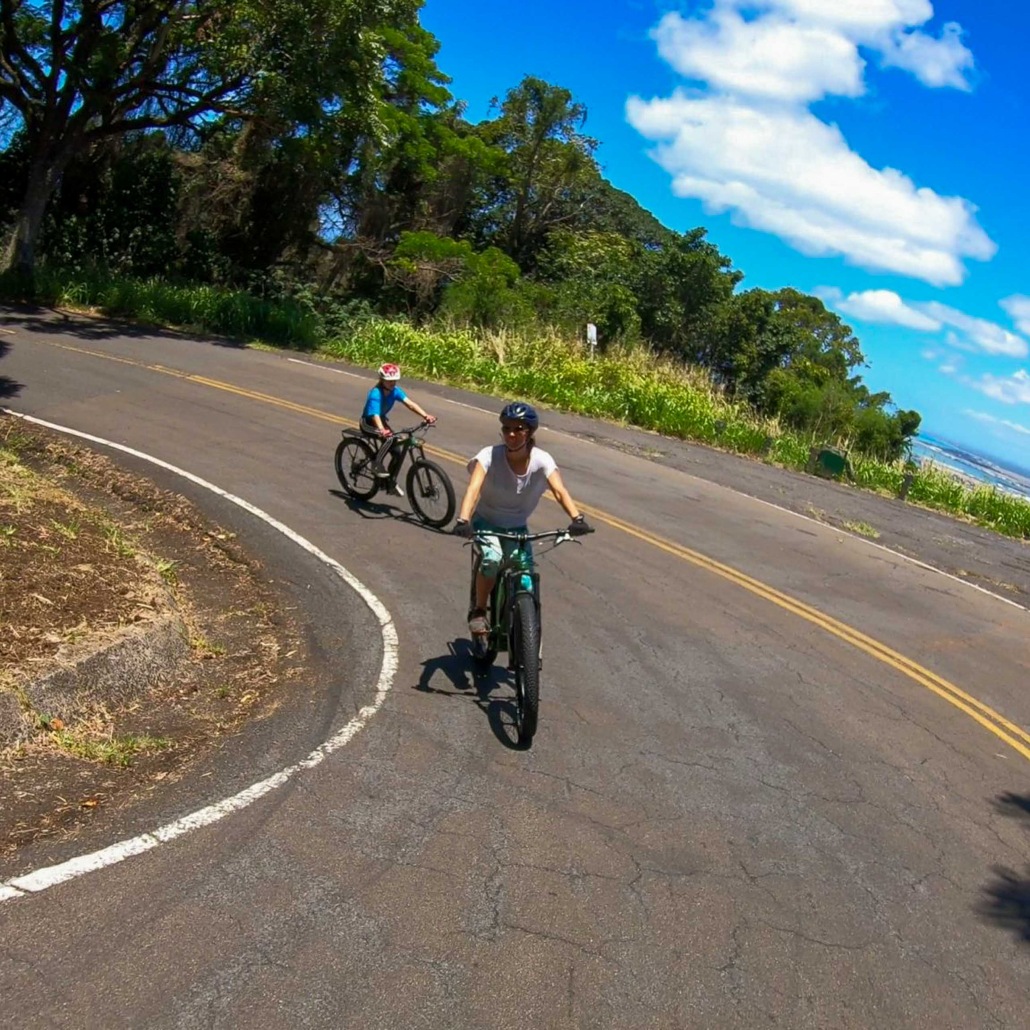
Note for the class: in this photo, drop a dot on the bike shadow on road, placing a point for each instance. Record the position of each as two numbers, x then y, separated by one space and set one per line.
1006 898
454 674
379 510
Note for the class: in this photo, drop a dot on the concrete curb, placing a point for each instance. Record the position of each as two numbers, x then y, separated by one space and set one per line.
136 659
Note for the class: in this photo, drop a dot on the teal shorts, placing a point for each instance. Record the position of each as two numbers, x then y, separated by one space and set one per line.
492 550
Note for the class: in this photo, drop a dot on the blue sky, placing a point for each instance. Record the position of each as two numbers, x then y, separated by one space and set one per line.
871 152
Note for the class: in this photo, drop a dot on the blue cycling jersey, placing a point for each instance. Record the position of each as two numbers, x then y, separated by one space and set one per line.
379 401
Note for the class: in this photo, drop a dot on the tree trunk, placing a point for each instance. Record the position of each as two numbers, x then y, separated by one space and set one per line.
44 174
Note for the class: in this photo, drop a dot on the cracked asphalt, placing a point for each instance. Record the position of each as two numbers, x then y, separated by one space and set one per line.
731 816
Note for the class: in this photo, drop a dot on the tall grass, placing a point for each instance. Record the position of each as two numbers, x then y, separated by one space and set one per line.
632 386
206 308
627 385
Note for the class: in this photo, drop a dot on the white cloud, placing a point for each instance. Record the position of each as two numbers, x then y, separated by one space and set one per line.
864 19
984 417
976 333
884 306
773 57
888 28
1018 308
935 62
964 332
747 143
1013 389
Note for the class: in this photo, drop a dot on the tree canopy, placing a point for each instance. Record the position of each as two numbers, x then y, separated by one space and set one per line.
313 148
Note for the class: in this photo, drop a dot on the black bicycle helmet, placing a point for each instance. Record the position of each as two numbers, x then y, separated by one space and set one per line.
518 411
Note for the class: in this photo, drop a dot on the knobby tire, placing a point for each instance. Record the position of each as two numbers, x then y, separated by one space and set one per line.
526 644
353 464
431 493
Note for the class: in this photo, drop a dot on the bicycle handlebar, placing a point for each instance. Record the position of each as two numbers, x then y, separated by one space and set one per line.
411 430
559 535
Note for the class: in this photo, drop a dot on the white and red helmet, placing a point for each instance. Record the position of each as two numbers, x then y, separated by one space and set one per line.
391 373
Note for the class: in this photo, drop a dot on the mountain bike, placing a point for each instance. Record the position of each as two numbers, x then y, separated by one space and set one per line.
429 488
515 627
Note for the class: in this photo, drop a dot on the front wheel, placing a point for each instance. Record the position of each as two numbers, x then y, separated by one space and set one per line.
431 493
353 464
526 655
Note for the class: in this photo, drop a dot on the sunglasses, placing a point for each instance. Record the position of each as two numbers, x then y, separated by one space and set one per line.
514 429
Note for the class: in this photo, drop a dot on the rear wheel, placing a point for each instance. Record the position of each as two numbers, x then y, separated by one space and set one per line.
353 463
526 655
430 493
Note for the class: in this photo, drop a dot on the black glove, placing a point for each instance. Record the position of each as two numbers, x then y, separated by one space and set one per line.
462 527
580 527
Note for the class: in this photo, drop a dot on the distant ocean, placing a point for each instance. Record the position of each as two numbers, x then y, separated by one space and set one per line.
1005 476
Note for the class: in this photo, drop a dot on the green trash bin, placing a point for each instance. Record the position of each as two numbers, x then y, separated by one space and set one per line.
828 462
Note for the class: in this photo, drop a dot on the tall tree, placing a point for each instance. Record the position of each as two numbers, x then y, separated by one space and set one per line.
683 281
548 157
80 71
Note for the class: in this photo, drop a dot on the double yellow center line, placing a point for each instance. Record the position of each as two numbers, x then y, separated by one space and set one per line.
1014 736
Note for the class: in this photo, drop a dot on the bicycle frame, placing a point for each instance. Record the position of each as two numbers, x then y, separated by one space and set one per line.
509 583
406 442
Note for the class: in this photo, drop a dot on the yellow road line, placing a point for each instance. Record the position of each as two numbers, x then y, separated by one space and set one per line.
1012 734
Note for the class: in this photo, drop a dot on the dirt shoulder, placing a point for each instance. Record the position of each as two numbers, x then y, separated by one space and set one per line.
188 640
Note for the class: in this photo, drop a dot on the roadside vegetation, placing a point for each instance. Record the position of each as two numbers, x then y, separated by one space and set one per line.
323 190
626 382
79 540
65 576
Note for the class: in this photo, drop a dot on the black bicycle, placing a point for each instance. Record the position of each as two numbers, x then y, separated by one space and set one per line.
429 488
515 626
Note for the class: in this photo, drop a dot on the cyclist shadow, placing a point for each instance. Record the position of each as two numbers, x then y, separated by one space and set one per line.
460 672
378 510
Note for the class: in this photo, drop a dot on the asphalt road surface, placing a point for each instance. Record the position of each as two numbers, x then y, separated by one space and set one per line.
781 776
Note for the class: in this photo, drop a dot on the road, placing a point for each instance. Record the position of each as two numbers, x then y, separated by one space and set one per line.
781 776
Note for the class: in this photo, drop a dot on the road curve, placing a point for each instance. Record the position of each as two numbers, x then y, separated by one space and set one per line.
781 775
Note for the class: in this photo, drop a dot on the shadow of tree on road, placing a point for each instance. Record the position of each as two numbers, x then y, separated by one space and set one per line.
1006 897
53 322
459 671
8 387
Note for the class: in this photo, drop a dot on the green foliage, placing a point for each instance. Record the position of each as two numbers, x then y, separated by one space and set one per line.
424 262
628 383
683 285
206 308
312 172
593 276
548 162
489 293
313 70
117 207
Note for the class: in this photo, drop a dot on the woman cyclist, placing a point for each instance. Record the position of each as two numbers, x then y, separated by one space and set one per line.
506 484
381 398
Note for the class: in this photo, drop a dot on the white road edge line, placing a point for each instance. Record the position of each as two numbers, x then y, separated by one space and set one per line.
327 368
51 876
886 550
741 493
